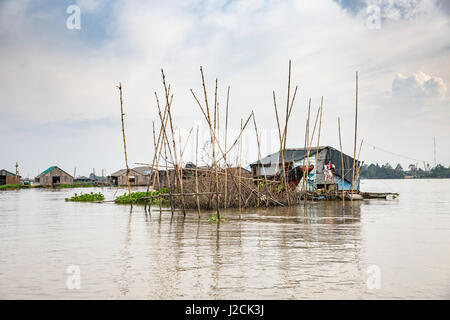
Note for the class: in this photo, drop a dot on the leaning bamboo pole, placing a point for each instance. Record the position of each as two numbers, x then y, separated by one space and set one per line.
315 125
157 156
125 145
342 163
177 171
155 174
167 176
356 130
162 133
283 171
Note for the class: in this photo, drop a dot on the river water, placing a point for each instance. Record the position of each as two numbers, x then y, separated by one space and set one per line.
379 249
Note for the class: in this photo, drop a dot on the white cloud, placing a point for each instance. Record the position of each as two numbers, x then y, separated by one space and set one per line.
419 86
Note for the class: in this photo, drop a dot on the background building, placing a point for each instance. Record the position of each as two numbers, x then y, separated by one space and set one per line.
54 176
7 177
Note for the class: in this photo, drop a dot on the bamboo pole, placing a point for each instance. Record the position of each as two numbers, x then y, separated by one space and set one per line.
196 174
259 156
208 120
157 156
315 125
125 144
225 158
240 171
167 177
214 153
150 176
287 112
318 142
342 163
359 165
356 130
306 150
283 171
154 173
177 172
162 133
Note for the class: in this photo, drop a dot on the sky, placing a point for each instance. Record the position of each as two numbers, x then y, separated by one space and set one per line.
59 101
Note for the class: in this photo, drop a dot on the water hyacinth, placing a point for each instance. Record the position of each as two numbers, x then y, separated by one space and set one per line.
140 197
87 197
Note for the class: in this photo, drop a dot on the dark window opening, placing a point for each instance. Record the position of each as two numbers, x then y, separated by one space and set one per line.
56 179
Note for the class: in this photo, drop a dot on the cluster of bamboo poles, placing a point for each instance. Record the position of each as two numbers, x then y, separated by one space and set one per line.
218 184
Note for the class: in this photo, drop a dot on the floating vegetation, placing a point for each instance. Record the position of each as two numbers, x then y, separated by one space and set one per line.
87 197
214 219
140 197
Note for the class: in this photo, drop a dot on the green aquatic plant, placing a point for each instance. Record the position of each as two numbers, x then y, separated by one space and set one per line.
87 197
280 188
214 219
140 197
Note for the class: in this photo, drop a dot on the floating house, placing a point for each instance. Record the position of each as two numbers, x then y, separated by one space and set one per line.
327 175
138 176
54 176
7 177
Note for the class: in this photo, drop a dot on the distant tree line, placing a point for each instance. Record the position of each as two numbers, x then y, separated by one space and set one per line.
386 171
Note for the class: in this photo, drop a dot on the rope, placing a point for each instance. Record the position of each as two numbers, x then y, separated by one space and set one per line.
395 154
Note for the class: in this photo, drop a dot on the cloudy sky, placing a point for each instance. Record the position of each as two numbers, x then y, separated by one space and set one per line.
60 106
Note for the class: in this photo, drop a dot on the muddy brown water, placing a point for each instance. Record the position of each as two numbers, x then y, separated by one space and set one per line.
377 249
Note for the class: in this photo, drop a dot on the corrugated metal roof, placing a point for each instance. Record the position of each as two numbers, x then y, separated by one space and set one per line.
5 172
50 169
146 170
119 173
137 170
290 155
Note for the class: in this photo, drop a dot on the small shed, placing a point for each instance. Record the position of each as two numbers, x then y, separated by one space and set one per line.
54 176
320 177
7 177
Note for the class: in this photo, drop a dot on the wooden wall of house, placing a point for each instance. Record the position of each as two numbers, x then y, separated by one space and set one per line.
143 180
47 179
12 180
139 180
